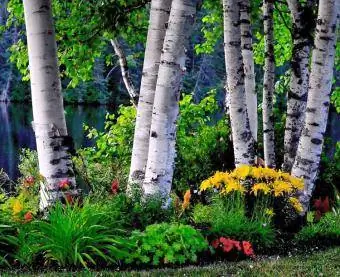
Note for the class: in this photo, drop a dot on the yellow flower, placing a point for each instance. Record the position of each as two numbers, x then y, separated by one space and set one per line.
280 187
186 199
296 204
217 179
269 173
269 212
233 185
260 187
285 176
17 207
256 172
206 184
297 183
241 172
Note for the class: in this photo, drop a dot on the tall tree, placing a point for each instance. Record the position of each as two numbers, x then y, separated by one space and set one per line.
302 17
159 16
161 157
268 84
248 63
310 145
53 142
243 140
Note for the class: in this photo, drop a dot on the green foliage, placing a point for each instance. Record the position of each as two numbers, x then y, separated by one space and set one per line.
78 235
28 164
167 244
330 173
202 141
327 228
228 217
8 241
335 99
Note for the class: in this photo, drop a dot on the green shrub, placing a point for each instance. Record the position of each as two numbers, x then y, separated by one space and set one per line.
328 228
8 241
167 244
77 236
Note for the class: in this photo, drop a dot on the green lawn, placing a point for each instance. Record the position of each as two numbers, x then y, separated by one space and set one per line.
326 263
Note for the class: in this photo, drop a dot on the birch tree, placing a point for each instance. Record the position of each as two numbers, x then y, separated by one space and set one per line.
248 65
159 15
243 140
161 157
268 85
302 18
53 142
310 145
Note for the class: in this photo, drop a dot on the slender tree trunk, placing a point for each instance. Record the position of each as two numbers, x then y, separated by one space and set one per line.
49 124
125 71
310 145
160 165
268 85
298 88
159 15
243 140
248 63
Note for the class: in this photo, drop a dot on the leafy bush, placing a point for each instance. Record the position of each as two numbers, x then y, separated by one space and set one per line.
78 236
327 228
167 244
8 241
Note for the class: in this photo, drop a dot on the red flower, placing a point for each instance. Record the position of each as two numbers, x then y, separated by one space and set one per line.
227 244
115 187
69 199
322 205
28 217
237 245
64 184
247 248
215 243
29 181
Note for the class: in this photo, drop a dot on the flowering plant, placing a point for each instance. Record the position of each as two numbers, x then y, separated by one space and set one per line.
233 248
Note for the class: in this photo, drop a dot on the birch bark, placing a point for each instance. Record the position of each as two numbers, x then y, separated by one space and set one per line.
298 88
311 141
160 165
268 85
53 142
159 15
248 64
243 140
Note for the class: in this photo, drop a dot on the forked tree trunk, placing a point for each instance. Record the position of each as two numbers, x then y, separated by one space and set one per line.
49 124
248 64
310 145
160 165
298 87
159 15
268 85
243 140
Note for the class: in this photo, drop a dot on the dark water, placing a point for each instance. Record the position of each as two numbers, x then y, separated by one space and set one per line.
16 131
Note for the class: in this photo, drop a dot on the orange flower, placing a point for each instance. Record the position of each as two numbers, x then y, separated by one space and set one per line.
248 248
28 217
186 200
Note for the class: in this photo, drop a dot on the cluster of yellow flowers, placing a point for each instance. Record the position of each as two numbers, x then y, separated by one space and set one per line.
264 180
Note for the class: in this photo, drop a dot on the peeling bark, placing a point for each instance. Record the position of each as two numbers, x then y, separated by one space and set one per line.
53 143
125 71
302 17
243 140
159 15
161 157
248 64
268 84
310 145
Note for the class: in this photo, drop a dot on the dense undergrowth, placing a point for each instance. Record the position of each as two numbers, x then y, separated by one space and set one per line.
212 215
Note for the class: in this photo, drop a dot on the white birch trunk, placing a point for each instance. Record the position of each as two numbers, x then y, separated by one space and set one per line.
160 165
125 71
298 88
268 85
248 64
49 124
243 140
311 141
159 15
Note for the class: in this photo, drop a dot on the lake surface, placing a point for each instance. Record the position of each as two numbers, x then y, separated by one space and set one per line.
16 131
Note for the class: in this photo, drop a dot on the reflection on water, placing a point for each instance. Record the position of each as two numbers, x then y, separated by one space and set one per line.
16 131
